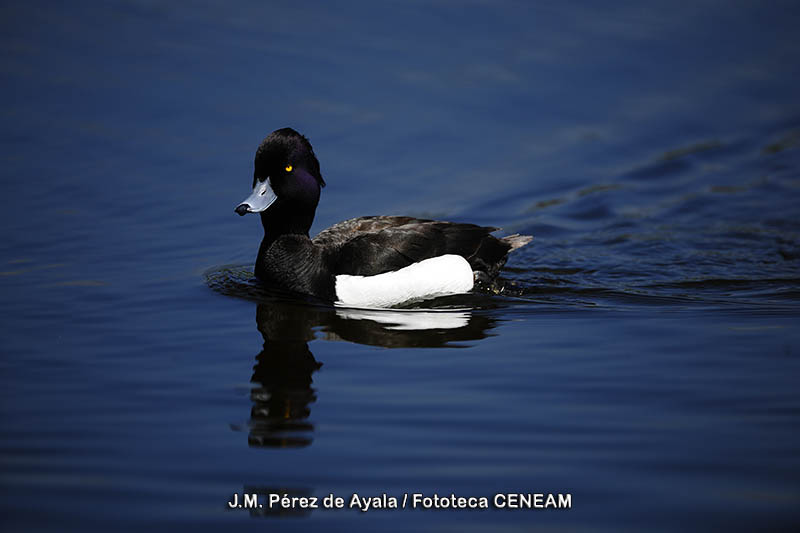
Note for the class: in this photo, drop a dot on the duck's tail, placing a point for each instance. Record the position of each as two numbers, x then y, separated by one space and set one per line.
517 241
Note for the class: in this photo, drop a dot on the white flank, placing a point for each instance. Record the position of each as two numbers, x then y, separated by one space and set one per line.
438 276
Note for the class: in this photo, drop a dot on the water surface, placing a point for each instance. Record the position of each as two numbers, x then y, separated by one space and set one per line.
641 356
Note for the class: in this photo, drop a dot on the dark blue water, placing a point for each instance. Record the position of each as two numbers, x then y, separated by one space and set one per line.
641 357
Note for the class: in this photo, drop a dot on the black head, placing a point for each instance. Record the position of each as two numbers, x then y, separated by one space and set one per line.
286 180
284 149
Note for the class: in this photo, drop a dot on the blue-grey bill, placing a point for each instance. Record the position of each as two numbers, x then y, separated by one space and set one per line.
262 197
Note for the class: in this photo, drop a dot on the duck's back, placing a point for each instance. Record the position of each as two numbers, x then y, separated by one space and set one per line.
367 246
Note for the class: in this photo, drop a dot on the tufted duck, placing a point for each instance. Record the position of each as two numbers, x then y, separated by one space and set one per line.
374 261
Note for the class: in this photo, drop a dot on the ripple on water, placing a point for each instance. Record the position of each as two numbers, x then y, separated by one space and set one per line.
432 323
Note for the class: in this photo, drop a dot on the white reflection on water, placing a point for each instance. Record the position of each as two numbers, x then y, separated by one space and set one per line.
409 319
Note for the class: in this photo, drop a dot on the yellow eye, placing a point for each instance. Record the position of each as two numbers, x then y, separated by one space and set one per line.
288 168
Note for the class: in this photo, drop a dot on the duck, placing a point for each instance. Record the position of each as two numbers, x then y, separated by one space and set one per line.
366 262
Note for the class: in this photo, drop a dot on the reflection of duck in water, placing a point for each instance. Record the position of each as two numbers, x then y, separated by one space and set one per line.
285 366
378 261
283 371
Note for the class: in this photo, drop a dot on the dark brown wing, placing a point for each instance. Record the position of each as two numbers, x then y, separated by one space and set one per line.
372 245
344 231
